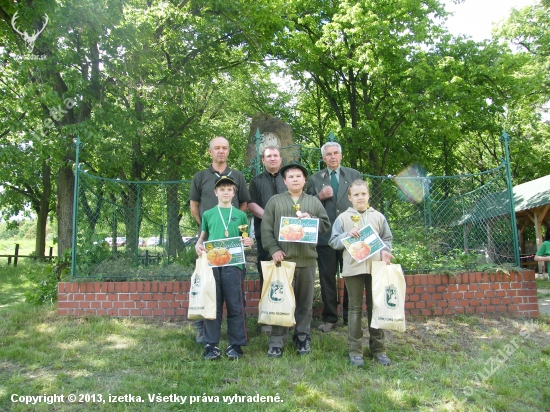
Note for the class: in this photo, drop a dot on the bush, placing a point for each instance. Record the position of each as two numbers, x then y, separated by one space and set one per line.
45 289
30 231
7 232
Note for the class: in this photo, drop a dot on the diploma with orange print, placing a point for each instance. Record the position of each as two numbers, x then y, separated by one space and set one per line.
298 230
363 247
225 252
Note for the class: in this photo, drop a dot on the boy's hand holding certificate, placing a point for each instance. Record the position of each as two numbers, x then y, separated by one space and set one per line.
301 230
225 252
364 246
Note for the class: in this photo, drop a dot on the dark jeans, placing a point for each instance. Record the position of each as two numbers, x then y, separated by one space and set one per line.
329 261
199 324
229 289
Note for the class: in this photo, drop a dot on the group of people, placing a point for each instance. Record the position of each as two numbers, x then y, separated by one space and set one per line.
219 198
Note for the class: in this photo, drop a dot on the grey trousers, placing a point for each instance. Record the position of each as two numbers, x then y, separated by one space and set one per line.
377 342
303 283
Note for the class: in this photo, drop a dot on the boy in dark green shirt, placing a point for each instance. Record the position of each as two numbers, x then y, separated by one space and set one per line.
304 254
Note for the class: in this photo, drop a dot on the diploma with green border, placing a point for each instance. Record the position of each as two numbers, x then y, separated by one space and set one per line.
367 237
225 252
304 230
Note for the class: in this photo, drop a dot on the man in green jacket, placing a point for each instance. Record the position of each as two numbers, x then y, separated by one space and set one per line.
293 203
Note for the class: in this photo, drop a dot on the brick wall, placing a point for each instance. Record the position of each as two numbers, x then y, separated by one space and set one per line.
472 293
427 295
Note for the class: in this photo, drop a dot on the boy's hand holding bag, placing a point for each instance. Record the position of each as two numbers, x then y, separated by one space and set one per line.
388 297
202 294
277 303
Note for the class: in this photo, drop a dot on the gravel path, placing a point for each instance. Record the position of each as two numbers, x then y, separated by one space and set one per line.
544 303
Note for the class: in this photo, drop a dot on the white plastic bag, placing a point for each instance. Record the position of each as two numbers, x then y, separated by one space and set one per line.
202 294
277 303
388 297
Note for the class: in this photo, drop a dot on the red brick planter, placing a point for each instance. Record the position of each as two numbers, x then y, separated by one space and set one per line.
427 295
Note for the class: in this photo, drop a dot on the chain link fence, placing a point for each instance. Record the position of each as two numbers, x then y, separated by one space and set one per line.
447 224
130 230
133 230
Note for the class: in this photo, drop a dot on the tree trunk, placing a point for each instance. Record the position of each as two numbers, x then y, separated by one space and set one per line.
132 206
43 210
65 200
175 242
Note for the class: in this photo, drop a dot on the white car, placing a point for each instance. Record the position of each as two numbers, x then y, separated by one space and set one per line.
153 241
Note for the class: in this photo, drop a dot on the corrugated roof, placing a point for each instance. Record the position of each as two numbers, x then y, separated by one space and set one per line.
532 194
527 196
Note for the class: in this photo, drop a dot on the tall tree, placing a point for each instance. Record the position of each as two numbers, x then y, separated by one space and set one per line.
396 83
527 118
145 78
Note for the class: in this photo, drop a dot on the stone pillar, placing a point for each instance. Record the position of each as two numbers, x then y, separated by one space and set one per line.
274 132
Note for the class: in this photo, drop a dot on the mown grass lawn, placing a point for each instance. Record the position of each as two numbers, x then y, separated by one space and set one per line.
457 363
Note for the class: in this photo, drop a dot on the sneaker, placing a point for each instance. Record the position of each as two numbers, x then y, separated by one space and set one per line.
199 338
274 352
303 345
356 360
212 352
234 352
382 359
326 327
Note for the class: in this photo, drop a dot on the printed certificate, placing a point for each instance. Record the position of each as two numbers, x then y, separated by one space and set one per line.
363 247
292 229
225 252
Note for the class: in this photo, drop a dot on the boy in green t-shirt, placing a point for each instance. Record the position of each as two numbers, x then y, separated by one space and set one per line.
222 222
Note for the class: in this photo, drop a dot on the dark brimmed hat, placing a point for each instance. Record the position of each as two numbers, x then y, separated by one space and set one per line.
224 179
293 165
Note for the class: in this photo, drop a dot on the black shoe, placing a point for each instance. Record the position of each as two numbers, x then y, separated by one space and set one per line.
356 360
234 352
212 352
274 352
382 359
303 346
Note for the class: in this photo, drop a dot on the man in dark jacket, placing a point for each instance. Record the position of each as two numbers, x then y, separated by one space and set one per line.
330 186
262 187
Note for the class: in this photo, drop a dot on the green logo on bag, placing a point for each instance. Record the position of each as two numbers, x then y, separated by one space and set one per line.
196 286
276 292
392 298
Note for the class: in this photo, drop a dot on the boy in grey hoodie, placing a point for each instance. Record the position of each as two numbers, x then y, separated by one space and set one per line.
357 275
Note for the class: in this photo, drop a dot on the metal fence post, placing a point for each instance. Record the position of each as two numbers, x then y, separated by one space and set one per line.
505 139
75 206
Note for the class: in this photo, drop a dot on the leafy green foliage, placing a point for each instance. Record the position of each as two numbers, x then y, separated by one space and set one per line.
152 82
44 289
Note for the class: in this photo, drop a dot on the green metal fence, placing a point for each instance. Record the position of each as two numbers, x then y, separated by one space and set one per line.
144 230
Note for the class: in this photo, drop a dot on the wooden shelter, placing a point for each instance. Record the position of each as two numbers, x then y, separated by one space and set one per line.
532 207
